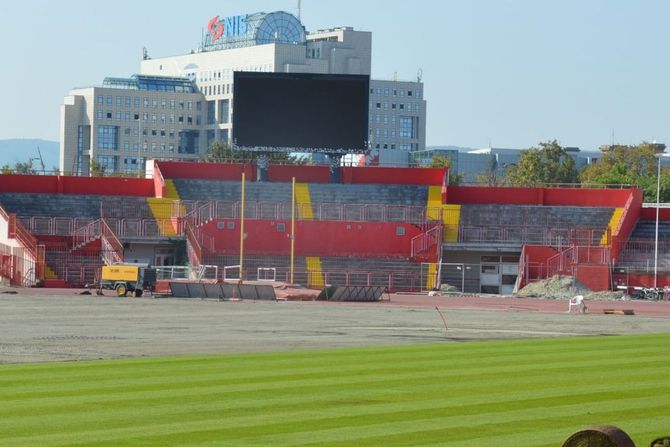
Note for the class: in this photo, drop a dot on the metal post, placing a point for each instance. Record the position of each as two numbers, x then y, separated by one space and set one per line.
292 228
658 194
242 233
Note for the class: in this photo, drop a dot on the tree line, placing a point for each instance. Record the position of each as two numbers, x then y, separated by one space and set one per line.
550 164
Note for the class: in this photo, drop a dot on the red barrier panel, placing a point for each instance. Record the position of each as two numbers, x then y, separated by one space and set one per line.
595 277
159 182
537 196
393 176
47 184
629 218
315 238
207 171
302 174
108 186
650 214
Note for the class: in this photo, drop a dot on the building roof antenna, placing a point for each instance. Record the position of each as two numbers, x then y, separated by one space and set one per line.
419 75
299 9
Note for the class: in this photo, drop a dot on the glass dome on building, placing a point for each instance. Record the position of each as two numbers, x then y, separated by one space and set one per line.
261 28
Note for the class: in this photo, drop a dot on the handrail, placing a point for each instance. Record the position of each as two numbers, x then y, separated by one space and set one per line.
16 230
193 244
426 240
110 244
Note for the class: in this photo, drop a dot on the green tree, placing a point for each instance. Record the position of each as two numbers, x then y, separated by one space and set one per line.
24 167
629 165
6 169
549 163
442 161
219 152
97 169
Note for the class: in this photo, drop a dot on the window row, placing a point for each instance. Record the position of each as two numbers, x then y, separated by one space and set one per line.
386 91
411 106
162 118
153 103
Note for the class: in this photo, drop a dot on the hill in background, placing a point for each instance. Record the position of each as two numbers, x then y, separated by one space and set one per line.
22 150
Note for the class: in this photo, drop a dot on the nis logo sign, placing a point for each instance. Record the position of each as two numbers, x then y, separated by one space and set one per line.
234 26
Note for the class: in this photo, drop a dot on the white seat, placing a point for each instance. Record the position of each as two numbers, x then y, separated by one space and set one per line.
578 302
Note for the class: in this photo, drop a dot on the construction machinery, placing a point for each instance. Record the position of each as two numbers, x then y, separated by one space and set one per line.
124 278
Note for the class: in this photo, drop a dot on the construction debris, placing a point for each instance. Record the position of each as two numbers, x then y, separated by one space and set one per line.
565 287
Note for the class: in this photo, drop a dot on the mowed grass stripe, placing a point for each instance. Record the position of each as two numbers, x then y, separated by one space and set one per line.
499 362
338 408
287 360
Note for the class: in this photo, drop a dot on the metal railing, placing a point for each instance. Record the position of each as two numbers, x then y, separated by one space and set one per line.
432 238
531 235
203 212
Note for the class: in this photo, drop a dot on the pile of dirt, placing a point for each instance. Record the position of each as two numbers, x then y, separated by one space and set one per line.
565 287
558 287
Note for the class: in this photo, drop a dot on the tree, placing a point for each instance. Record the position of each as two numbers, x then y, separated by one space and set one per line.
491 176
24 167
219 152
442 161
6 169
97 169
629 165
549 163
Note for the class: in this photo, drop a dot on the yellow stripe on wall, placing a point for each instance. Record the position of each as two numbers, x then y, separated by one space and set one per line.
434 205
451 214
430 278
451 217
315 274
303 201
171 190
612 225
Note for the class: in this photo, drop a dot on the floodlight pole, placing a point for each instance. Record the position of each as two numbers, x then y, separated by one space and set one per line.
242 234
658 194
292 228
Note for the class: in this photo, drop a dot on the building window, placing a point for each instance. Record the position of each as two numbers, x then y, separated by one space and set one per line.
119 101
154 103
399 231
406 127
154 132
402 106
145 102
101 99
136 102
107 137
163 103
128 101
118 116
172 102
107 162
109 115
163 132
100 114
409 93
281 227
110 100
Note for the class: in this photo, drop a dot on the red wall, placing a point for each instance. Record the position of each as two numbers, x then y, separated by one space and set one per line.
537 196
159 181
315 238
110 186
77 185
398 176
629 219
650 214
302 174
207 171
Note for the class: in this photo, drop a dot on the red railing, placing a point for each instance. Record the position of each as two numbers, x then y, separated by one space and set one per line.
112 248
16 230
430 239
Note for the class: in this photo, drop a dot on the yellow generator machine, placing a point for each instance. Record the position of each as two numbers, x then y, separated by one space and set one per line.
126 278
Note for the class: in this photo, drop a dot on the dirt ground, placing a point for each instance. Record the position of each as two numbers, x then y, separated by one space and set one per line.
43 325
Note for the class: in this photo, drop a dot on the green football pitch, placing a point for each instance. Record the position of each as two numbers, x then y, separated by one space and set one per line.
494 393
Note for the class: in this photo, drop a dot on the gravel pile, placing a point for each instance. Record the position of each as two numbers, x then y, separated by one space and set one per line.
565 287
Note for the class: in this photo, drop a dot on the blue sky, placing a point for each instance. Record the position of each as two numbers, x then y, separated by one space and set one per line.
511 73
